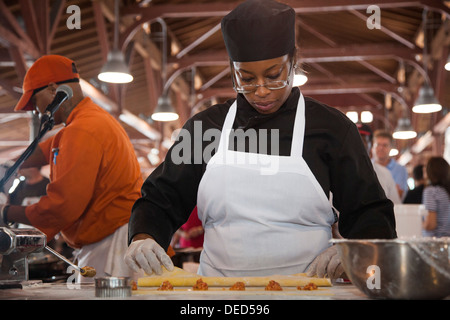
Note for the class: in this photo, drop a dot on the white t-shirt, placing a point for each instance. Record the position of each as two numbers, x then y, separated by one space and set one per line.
387 182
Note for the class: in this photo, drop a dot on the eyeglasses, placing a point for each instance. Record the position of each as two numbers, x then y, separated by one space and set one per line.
271 85
381 145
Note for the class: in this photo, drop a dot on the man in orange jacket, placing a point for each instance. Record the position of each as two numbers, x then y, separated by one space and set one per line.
94 174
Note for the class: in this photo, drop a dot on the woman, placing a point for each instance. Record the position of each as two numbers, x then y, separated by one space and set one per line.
264 210
436 198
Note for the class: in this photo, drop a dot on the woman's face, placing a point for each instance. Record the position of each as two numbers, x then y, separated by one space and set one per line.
262 74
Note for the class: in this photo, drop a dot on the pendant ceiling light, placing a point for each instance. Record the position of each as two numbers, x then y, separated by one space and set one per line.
115 69
404 129
164 111
426 102
447 65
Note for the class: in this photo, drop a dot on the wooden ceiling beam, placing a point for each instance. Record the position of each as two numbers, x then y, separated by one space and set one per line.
15 47
29 13
43 23
10 88
316 33
217 57
358 52
220 9
5 58
312 55
56 12
345 101
198 41
216 78
376 87
369 99
8 39
315 6
385 30
378 71
20 65
16 28
100 26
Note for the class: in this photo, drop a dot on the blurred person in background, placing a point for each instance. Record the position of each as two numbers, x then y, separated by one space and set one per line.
190 235
382 144
414 196
383 174
436 198
31 189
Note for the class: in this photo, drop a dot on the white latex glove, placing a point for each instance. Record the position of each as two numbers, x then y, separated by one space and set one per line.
327 263
147 255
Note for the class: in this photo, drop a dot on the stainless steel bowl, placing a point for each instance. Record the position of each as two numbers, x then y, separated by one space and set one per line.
398 269
113 287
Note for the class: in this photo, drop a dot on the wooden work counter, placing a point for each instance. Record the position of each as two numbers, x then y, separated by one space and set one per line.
63 291
217 303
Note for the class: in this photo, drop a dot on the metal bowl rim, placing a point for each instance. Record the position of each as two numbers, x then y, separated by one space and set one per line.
444 240
112 282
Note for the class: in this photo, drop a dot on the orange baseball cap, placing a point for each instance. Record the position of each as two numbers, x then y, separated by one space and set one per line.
47 69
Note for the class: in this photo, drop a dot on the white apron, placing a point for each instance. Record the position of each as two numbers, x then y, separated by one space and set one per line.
261 223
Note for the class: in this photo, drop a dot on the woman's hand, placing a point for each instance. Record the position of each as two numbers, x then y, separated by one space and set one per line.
327 263
147 255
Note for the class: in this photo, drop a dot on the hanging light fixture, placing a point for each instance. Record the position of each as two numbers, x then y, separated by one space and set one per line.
164 110
115 69
426 102
404 129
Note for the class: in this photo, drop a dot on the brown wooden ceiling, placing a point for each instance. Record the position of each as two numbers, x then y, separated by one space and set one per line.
350 66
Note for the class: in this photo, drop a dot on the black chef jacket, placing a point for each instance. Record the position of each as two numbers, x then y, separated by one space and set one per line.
332 148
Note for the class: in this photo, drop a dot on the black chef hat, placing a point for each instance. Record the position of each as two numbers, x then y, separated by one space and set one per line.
259 30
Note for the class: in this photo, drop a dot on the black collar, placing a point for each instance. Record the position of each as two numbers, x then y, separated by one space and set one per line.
247 116
246 109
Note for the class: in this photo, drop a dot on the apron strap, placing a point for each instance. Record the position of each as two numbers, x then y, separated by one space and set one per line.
297 134
227 127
